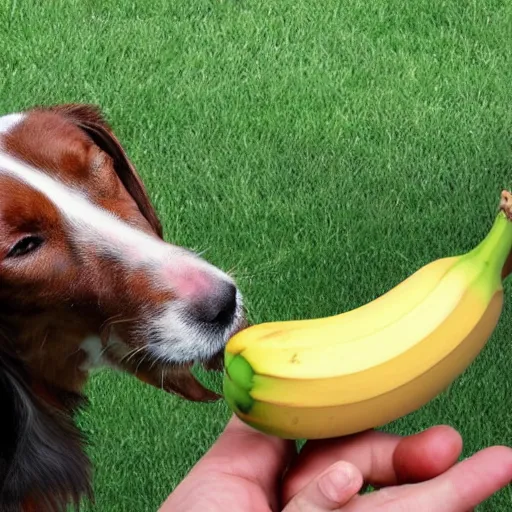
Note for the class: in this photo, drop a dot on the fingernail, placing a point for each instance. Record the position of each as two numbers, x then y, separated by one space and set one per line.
336 480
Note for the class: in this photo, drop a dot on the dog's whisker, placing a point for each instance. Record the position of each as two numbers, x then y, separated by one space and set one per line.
141 361
154 362
106 328
108 320
105 335
232 271
124 321
103 351
112 321
134 353
131 354
204 251
71 354
45 339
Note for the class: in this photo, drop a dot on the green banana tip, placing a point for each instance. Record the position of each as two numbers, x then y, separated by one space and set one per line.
238 382
240 371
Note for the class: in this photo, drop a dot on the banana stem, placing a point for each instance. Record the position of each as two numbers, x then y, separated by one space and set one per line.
506 207
496 248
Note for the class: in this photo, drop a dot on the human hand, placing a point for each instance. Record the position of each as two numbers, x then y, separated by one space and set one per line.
244 470
240 473
416 473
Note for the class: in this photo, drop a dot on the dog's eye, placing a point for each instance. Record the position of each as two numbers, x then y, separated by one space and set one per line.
24 246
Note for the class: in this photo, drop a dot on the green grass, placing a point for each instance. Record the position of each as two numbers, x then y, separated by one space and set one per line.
323 151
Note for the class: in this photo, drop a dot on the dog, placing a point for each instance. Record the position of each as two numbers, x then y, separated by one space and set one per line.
86 280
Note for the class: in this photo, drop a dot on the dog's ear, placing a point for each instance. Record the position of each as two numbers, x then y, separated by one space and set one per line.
90 119
42 463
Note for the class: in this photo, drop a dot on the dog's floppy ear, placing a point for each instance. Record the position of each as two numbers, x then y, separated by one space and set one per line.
90 119
42 463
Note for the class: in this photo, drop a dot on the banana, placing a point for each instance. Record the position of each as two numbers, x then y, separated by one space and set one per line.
328 377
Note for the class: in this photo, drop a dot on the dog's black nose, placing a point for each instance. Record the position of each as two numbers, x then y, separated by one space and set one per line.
218 306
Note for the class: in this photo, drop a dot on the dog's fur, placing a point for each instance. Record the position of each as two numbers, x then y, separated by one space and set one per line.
42 461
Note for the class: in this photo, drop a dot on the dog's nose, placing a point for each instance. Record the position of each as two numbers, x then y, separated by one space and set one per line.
218 306
208 295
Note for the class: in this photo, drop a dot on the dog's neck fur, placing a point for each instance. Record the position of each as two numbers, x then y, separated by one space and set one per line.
42 460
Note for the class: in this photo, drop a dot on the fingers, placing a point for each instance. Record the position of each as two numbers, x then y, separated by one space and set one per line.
426 455
469 483
329 491
360 450
383 459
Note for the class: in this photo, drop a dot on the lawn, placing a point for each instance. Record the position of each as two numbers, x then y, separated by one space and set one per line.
321 151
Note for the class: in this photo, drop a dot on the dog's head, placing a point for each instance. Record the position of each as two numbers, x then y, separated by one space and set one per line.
85 277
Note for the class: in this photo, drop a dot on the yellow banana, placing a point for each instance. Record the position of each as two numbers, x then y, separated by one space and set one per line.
327 377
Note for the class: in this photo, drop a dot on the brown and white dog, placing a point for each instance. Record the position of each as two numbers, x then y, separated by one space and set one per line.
86 280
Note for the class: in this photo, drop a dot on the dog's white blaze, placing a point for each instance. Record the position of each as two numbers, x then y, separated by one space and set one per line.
90 222
99 227
8 122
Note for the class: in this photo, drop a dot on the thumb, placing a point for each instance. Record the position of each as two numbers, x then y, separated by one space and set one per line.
329 491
